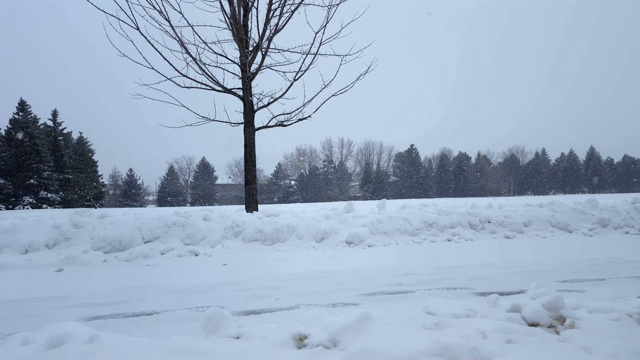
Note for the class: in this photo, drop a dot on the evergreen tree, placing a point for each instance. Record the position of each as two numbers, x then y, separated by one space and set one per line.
482 184
510 171
343 180
280 187
461 175
556 174
594 178
628 174
379 188
309 185
26 161
59 143
609 175
114 188
202 188
407 171
329 181
535 174
572 178
86 188
132 194
443 177
427 175
366 183
170 190
5 186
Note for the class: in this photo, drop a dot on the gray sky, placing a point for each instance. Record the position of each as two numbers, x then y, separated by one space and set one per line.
470 75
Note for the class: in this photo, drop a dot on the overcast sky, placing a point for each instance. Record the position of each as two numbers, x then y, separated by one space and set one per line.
470 75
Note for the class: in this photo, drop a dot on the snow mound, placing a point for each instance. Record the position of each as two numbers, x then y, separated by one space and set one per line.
130 234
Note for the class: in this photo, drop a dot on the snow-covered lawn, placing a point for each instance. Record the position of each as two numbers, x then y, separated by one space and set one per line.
509 278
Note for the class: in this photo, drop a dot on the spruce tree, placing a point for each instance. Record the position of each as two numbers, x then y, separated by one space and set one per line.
628 174
511 172
609 175
280 189
535 174
328 185
132 194
482 183
593 169
5 186
366 183
26 161
86 188
407 171
379 188
461 175
59 144
343 180
443 177
572 175
309 185
203 192
114 188
170 190
428 173
557 169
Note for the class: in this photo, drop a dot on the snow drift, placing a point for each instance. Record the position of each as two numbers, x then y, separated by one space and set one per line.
128 234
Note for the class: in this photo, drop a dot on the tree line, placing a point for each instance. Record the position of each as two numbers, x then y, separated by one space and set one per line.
340 170
42 165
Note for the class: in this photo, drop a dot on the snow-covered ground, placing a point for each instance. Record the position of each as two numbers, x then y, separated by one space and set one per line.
508 278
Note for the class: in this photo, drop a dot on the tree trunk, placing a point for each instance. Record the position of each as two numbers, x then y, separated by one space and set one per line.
250 164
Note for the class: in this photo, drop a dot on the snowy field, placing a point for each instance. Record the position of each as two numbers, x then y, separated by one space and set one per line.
501 278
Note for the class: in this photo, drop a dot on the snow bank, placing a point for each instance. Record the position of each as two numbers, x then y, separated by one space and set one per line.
129 234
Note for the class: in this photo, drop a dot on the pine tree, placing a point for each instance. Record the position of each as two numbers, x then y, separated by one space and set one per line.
594 178
114 188
443 177
535 174
5 186
203 192
343 180
407 171
59 144
280 187
329 181
26 161
609 175
132 194
461 175
628 174
379 188
86 188
309 185
482 184
572 178
170 190
366 183
428 173
557 169
511 172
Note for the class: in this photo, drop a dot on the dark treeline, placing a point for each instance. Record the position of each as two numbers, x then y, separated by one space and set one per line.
340 170
42 165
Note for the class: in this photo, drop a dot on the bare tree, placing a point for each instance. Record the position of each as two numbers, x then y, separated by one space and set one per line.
281 60
185 165
377 153
340 150
520 151
443 152
345 148
301 159
235 171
